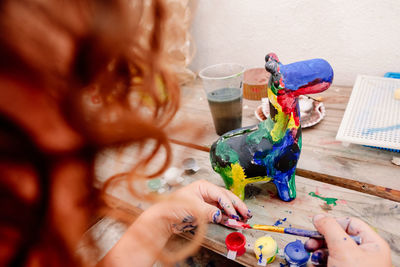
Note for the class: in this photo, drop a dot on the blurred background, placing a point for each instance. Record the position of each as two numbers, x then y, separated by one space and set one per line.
356 37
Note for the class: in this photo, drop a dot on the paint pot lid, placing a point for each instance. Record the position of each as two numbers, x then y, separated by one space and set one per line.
256 76
154 184
190 164
235 241
295 253
266 246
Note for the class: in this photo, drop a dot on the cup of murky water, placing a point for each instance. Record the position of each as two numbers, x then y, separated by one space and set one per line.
223 86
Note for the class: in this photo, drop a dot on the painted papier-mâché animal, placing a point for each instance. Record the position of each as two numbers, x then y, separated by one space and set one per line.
270 150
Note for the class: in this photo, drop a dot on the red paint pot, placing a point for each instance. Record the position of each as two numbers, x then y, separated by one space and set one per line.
236 242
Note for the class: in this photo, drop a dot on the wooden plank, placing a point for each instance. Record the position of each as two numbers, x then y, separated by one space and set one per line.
321 153
382 214
380 191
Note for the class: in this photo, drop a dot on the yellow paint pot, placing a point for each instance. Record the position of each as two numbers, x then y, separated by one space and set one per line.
265 249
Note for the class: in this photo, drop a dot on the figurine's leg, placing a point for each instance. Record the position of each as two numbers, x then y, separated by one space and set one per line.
238 186
238 189
286 187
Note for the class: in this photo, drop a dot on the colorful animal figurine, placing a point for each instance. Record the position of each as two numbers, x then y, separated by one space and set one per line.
270 150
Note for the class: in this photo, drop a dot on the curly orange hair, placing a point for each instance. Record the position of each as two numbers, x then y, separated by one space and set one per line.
103 66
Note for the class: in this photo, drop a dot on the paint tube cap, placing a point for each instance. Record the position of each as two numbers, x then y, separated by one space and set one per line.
267 247
236 242
296 254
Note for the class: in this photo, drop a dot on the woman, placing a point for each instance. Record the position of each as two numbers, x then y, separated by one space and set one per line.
75 77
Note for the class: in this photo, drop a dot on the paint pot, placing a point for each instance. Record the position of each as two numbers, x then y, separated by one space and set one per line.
265 249
255 83
235 243
296 255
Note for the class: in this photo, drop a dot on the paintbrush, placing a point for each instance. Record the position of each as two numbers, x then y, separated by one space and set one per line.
284 230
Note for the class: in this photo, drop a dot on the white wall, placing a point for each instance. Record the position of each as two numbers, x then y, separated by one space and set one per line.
356 37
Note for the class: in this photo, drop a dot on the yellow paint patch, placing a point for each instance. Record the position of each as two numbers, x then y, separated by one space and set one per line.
240 180
280 126
273 99
237 173
292 123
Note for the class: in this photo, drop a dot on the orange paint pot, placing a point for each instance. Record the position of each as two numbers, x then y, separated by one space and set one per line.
255 83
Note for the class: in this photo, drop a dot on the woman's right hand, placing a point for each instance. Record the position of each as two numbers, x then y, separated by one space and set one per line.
339 249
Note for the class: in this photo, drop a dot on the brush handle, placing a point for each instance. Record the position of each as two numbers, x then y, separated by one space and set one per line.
302 232
314 234
296 231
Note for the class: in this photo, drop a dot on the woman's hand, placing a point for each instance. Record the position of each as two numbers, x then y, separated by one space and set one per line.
339 249
200 201
205 199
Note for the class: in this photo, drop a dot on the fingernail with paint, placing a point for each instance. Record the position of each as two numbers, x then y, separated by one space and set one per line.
216 216
249 214
318 217
319 258
233 216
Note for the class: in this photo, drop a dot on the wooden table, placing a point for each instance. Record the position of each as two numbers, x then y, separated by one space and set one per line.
326 167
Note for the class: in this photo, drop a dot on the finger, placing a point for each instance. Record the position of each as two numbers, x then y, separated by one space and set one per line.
355 226
214 214
314 244
212 193
336 238
320 257
226 204
239 205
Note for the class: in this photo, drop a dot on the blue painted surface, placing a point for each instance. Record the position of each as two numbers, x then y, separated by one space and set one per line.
260 256
382 129
302 232
394 75
301 73
279 222
296 254
318 258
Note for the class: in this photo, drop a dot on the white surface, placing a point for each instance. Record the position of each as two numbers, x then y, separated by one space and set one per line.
231 254
372 115
356 37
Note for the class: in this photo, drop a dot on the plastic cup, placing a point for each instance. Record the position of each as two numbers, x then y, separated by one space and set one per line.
223 86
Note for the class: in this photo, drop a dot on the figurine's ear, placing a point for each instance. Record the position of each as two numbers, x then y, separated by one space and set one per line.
271 56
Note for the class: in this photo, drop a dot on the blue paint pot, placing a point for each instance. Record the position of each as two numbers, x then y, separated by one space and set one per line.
296 255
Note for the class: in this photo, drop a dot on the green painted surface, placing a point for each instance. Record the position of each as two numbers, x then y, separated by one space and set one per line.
273 88
328 200
279 130
226 153
292 186
263 131
226 174
300 142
